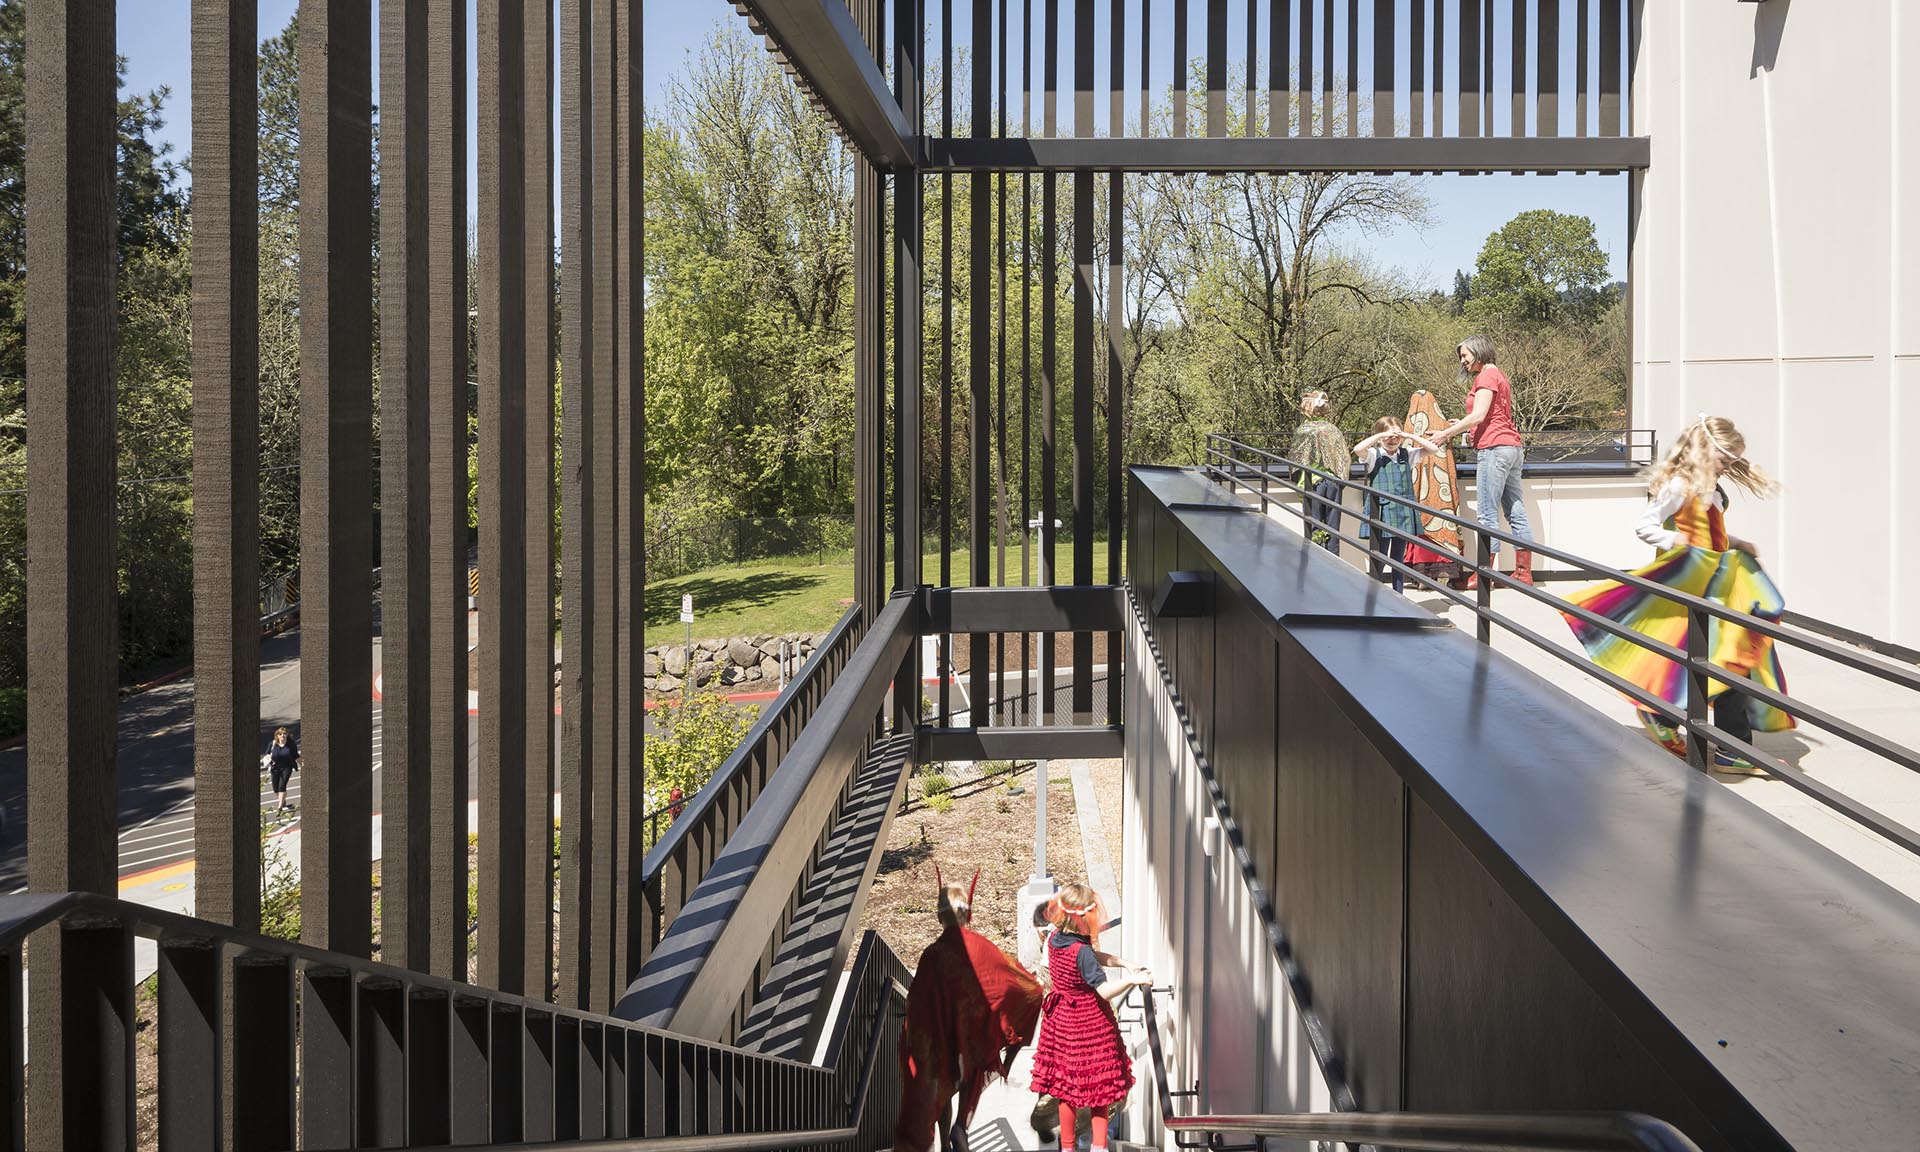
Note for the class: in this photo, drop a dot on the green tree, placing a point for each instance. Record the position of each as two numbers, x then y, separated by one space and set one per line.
1542 266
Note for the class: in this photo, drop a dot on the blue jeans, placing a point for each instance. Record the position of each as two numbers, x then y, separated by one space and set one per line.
1498 486
1323 508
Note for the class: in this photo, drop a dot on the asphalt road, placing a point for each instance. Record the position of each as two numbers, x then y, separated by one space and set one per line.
156 765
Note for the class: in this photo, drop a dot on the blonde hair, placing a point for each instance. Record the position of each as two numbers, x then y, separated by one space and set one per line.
1313 403
1711 447
279 732
1076 908
1385 424
955 911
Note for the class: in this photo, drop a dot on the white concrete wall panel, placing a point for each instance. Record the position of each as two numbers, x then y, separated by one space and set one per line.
1774 259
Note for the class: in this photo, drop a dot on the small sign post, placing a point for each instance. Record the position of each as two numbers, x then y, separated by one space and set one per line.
686 617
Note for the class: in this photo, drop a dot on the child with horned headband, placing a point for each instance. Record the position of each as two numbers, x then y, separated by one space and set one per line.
1685 522
969 1010
1080 1060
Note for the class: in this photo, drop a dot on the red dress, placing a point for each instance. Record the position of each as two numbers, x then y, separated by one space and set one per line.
1080 1059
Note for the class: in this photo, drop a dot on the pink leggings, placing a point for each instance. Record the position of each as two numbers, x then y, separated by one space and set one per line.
1069 1130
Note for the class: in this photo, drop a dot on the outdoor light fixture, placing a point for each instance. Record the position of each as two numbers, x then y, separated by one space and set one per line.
1182 594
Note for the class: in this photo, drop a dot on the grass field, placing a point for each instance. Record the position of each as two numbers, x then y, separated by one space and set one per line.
775 597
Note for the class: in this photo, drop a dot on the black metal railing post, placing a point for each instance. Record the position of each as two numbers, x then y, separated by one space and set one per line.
1698 754
1483 586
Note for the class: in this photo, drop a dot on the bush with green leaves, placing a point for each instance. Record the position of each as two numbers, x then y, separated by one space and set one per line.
693 740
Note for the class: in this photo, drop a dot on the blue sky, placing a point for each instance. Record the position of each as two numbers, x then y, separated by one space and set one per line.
154 36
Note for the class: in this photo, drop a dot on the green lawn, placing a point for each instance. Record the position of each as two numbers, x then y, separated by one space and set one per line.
775 597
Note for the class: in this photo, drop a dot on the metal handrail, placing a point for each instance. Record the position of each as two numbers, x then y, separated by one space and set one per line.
1694 658
697 805
1451 1131
22 916
1459 1132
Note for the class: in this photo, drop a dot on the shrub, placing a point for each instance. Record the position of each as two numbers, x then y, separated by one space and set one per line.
279 888
940 802
935 784
695 738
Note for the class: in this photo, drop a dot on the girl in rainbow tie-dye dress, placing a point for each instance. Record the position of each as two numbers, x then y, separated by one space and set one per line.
1685 522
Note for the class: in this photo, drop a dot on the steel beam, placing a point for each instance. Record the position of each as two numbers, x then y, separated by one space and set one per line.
1064 608
822 43
1299 154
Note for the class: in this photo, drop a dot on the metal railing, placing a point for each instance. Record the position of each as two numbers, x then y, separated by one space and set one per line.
285 1045
1631 447
681 855
1449 1131
1231 462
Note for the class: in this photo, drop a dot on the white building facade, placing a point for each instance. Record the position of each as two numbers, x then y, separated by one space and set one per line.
1775 277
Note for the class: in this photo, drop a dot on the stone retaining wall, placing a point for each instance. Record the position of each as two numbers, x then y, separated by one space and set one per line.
726 663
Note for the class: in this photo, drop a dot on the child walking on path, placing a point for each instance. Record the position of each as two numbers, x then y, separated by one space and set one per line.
1080 1060
1318 444
1389 456
1685 522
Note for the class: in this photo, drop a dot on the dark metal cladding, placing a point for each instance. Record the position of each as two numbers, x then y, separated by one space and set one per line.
447 517
326 1058
504 578
577 541
261 1072
406 560
226 463
537 854
379 1045
336 493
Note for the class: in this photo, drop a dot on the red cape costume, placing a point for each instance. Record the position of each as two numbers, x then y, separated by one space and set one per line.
968 1008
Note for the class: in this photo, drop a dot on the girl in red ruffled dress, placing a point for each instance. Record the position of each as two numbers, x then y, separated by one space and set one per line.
1080 1060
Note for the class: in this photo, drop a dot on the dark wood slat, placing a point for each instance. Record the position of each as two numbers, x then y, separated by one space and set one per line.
1417 98
1049 416
447 528
628 899
1252 78
606 509
502 332
1547 116
537 852
1083 67
1026 415
1116 409
1353 67
1083 442
406 560
1179 68
1216 67
336 493
1279 67
1050 70
1470 67
1519 93
1610 101
1438 100
1326 67
226 463
980 327
1319 154
1582 23
1487 10
1303 80
1116 68
577 730
1385 82
908 330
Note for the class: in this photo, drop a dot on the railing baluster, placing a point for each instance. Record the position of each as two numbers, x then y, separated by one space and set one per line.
327 1107
429 1049
190 1019
1483 558
592 1080
542 1097
468 1075
615 1043
567 1096
657 1088
506 1074
1698 753
380 1064
260 1073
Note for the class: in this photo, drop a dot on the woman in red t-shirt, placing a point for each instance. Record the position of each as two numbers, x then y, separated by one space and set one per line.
1498 453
